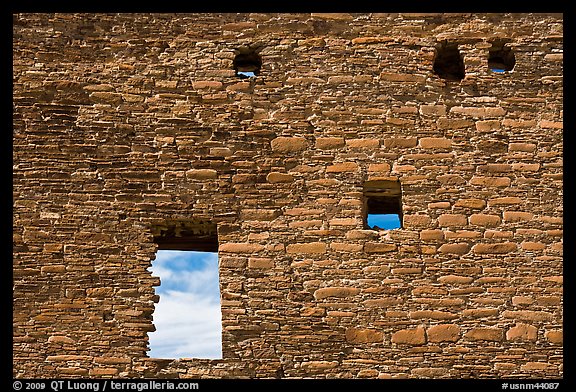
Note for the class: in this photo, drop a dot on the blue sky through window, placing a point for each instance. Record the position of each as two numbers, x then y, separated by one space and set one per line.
188 318
384 221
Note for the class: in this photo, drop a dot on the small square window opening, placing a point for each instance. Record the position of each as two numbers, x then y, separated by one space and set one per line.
383 205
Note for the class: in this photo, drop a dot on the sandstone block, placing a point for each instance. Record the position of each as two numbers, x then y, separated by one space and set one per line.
416 221
433 110
307 248
487 125
342 167
339 292
453 220
488 334
363 143
377 247
523 147
289 144
555 336
433 234
400 77
490 181
537 366
414 336
328 143
443 333
432 314
276 177
61 340
498 248
379 167
517 216
400 142
368 335
502 201
435 142
458 249
478 111
528 315
455 279
240 247
260 263
522 332
484 220
201 174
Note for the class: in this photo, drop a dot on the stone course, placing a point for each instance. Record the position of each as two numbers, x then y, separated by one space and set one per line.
123 123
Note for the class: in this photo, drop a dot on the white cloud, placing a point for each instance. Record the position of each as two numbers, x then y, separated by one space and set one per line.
188 318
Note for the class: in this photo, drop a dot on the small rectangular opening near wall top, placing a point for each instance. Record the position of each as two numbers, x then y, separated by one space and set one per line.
188 317
382 204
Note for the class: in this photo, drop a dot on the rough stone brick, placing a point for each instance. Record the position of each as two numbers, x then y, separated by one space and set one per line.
61 340
536 366
497 248
276 177
487 125
400 142
379 167
377 247
414 336
358 335
309 248
529 315
415 221
342 167
478 112
363 143
522 332
526 167
435 142
455 279
443 333
484 220
339 292
433 234
201 174
260 263
452 220
532 246
397 77
477 204
488 334
432 314
555 336
458 249
289 144
490 181
524 147
504 201
517 216
433 110
328 143
240 247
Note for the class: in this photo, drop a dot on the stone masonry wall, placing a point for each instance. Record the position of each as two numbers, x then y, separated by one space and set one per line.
123 122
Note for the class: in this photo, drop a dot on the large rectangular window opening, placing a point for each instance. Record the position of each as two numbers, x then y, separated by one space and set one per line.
188 317
382 204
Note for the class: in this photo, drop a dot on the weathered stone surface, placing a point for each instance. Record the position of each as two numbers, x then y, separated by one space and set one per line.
335 292
359 335
311 248
289 144
497 248
412 336
522 332
489 334
133 132
443 333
